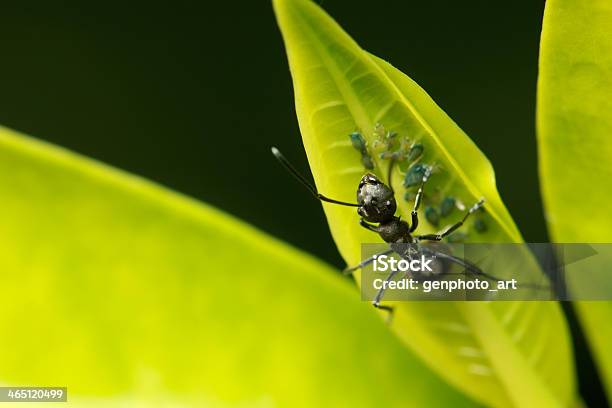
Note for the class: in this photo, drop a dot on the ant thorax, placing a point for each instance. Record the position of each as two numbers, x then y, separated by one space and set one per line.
395 230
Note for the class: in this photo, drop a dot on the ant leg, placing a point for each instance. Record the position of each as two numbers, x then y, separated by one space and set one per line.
348 271
469 266
388 309
381 292
368 226
417 202
452 228
472 269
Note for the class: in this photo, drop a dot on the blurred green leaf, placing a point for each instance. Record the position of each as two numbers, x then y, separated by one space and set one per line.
130 294
500 352
575 146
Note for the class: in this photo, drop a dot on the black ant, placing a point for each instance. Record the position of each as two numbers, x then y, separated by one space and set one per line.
376 206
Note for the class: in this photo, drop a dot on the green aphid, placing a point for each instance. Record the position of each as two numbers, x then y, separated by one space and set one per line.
432 215
480 226
416 150
456 237
367 162
414 175
390 137
358 142
379 131
387 142
447 206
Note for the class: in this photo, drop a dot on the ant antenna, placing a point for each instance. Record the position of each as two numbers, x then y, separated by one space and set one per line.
279 156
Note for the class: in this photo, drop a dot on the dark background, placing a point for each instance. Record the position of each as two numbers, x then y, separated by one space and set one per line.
191 94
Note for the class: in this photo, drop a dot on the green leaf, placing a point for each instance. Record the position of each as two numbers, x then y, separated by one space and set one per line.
500 352
575 146
128 294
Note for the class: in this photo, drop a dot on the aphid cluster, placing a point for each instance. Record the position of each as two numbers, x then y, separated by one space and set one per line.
408 155
399 149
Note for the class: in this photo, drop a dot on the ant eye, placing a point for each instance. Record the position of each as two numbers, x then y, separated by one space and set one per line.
372 179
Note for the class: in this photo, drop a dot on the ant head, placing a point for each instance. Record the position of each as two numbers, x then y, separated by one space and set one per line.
375 199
